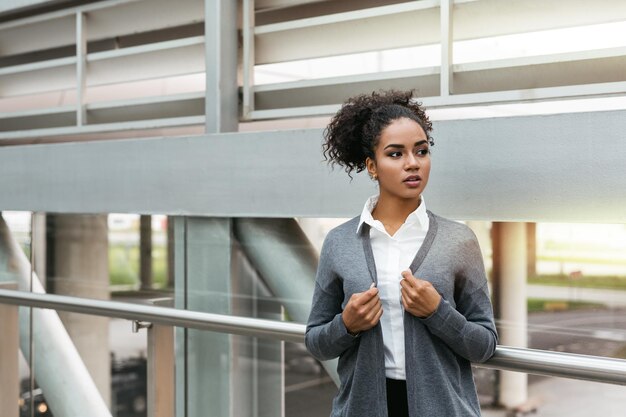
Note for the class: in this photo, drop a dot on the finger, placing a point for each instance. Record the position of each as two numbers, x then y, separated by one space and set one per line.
372 290
378 315
373 313
405 302
364 297
405 283
372 302
410 293
407 274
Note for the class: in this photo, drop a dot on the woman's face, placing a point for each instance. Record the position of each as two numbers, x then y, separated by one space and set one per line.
402 160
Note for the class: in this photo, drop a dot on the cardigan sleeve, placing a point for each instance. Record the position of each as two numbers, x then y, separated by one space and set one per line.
469 329
326 335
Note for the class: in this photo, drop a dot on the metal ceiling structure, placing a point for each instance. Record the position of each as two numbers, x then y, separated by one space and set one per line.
116 65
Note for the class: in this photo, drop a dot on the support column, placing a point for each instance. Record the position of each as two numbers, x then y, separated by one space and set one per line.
207 363
447 42
509 266
531 247
145 251
81 269
81 68
160 369
9 377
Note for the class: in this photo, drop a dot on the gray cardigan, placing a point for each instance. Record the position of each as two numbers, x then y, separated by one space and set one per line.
438 348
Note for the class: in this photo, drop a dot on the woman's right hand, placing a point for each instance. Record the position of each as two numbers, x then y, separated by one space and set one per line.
362 311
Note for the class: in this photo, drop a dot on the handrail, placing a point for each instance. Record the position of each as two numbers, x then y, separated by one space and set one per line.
567 365
244 326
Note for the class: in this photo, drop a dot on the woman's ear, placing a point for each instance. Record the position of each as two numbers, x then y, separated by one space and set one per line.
370 164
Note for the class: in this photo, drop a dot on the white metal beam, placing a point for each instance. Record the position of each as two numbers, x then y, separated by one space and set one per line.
221 59
418 22
101 128
81 68
108 19
532 168
248 57
447 43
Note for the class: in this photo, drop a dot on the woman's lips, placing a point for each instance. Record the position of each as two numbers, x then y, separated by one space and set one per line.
413 181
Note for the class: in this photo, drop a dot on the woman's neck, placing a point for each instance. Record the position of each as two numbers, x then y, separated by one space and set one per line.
392 212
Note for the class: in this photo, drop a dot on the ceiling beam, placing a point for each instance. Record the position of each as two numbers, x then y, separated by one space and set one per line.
560 168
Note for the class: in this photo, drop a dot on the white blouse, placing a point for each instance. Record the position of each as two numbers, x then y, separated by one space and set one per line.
392 255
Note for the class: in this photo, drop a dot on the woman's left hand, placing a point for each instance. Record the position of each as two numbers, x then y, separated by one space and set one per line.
419 297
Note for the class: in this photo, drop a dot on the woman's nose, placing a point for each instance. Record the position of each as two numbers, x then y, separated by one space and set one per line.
412 162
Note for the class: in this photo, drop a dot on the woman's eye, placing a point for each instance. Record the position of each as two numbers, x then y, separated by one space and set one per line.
422 152
395 154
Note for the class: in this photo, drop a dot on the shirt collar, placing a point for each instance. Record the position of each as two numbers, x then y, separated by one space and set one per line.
419 215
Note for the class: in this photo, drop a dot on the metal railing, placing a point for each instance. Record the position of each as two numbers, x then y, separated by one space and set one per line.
558 364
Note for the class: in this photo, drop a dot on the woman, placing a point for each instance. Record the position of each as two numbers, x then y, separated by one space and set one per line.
401 296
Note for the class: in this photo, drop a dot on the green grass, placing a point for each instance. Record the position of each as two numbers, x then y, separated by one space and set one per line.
124 265
586 281
539 305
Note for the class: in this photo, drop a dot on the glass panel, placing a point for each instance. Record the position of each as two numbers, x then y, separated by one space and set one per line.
577 293
125 248
575 304
117 368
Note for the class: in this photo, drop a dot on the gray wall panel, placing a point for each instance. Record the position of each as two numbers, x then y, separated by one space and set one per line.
566 167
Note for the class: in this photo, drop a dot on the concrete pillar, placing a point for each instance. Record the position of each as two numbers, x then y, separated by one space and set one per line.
160 367
531 248
145 252
208 367
9 355
510 266
81 269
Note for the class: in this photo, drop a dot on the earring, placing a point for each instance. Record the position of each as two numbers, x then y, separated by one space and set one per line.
374 177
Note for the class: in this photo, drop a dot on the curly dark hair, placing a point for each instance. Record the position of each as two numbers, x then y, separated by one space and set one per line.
354 131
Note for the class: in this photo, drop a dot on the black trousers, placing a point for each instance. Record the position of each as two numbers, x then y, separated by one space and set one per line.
397 404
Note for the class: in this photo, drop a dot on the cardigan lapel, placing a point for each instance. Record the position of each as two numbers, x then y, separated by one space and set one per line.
428 241
367 249
419 256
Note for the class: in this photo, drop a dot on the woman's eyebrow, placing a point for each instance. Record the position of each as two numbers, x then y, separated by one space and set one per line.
394 145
